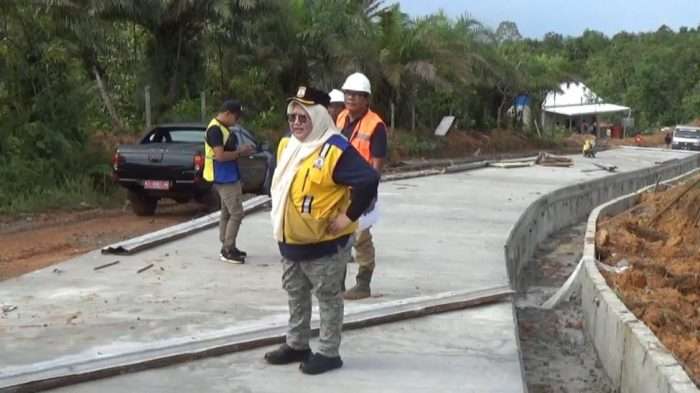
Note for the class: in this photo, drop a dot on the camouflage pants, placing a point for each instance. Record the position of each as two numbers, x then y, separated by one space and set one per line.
323 277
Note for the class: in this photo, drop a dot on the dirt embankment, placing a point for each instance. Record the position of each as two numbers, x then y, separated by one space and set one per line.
659 241
35 241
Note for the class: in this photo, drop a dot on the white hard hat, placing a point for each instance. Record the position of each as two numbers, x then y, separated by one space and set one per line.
337 96
357 82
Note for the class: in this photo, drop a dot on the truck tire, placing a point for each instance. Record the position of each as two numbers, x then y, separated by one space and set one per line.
141 204
210 200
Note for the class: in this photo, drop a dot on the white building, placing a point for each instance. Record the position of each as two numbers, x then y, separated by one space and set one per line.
575 106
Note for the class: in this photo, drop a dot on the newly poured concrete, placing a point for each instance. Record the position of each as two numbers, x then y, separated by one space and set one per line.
436 234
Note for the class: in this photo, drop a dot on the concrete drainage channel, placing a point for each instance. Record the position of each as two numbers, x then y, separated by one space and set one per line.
632 356
556 354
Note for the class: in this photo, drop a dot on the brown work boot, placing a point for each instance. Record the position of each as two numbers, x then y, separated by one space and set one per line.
361 289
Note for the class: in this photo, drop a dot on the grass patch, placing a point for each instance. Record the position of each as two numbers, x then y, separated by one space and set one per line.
76 193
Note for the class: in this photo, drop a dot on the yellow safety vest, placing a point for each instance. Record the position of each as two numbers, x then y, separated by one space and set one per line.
221 172
314 198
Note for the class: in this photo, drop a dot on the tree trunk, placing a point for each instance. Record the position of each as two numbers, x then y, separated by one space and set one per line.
393 112
413 116
413 109
172 94
116 121
221 70
499 115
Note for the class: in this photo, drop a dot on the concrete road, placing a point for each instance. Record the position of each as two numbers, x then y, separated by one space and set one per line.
437 234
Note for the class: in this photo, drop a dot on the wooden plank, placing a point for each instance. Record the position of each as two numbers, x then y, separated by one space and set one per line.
178 231
466 167
607 167
63 373
510 165
411 175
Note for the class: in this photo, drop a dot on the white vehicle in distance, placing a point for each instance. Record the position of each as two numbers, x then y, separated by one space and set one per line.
686 138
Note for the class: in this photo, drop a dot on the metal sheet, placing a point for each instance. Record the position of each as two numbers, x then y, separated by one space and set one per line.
171 233
445 124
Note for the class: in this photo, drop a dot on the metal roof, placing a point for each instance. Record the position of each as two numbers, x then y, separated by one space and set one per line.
586 109
571 93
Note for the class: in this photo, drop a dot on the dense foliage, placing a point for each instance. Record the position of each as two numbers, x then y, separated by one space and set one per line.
74 69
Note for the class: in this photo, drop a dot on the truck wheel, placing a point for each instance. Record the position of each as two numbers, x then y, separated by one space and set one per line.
210 200
141 204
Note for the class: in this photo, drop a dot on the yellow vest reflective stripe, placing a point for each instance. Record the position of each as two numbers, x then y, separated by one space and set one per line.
216 171
314 198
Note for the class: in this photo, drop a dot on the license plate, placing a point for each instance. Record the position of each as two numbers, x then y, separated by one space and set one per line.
156 184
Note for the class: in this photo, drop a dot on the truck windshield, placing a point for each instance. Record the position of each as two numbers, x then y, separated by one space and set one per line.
187 135
687 133
175 135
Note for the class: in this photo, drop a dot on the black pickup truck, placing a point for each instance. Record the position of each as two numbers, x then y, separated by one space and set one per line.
168 163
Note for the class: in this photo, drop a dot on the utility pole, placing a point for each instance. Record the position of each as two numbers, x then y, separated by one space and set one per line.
148 107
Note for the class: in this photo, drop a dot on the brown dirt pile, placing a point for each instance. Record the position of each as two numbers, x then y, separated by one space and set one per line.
662 285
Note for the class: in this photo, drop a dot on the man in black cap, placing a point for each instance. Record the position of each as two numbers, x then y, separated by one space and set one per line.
222 152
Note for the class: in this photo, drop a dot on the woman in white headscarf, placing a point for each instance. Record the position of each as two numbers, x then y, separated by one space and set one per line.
320 188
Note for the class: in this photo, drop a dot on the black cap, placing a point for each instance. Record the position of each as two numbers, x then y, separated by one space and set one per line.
233 106
310 96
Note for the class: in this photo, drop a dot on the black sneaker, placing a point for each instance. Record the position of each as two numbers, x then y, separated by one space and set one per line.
241 252
232 257
286 354
318 364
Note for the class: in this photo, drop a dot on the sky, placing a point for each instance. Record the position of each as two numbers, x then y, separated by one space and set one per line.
535 18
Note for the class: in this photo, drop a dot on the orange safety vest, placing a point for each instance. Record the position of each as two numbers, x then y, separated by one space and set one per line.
362 134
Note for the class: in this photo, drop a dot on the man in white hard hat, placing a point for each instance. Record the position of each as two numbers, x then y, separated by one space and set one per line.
337 103
368 134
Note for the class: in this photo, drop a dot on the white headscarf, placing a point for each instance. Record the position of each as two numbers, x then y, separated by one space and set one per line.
292 156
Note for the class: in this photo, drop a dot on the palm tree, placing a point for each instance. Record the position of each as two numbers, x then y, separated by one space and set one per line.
175 47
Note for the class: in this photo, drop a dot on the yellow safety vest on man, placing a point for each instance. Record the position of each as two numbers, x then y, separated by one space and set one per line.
361 136
314 198
220 172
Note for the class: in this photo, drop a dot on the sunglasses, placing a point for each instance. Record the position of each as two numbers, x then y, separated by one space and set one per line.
293 117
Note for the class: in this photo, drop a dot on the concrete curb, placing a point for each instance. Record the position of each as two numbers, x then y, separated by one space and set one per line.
634 359
569 205
655 149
